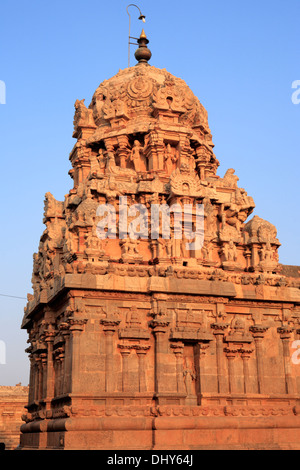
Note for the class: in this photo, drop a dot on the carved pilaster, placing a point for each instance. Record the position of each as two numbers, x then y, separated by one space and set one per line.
141 352
202 160
258 332
160 326
285 335
44 375
65 333
219 331
76 328
31 378
125 352
231 353
246 352
123 151
202 348
39 375
59 359
178 351
49 339
110 325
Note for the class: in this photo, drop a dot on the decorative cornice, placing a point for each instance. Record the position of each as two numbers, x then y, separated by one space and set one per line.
219 328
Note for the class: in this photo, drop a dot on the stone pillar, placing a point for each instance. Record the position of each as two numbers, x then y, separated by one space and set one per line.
123 154
60 364
178 351
123 150
159 329
39 388
109 376
55 368
202 352
177 231
247 255
36 378
44 375
31 380
76 328
109 328
64 327
49 394
159 350
141 352
50 369
203 157
155 151
285 335
221 368
154 248
245 354
254 255
258 335
231 352
125 352
151 153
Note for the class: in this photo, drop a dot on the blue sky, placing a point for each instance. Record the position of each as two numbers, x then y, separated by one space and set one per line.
239 58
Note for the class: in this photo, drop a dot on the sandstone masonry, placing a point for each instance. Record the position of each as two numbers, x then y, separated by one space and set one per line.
144 343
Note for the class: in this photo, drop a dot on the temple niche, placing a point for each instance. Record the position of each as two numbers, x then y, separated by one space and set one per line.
138 321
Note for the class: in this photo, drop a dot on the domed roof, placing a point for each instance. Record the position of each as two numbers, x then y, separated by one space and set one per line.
141 94
149 105
143 88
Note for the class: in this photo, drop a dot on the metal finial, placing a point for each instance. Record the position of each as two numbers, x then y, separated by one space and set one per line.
142 18
143 54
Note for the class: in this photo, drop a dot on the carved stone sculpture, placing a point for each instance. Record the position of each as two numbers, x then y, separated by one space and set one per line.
138 338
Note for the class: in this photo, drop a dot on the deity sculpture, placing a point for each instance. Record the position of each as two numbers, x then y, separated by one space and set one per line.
135 156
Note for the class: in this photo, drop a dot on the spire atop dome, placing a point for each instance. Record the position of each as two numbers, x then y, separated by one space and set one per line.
143 54
142 18
143 35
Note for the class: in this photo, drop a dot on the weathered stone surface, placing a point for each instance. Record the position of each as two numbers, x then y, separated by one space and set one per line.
153 342
12 407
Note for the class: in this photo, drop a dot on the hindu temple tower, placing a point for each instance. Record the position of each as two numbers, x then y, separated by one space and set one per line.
143 343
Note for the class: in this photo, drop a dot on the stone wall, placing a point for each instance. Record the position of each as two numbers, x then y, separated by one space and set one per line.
12 403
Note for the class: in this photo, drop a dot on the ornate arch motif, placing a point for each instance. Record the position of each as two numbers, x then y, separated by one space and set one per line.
139 89
184 182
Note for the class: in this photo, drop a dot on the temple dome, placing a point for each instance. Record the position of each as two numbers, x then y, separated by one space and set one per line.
140 95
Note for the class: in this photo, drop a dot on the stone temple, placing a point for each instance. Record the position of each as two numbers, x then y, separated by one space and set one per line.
154 342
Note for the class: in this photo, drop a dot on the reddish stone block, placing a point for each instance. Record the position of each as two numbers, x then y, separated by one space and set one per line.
12 407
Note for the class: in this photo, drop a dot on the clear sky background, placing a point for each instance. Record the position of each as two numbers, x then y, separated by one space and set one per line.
239 57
